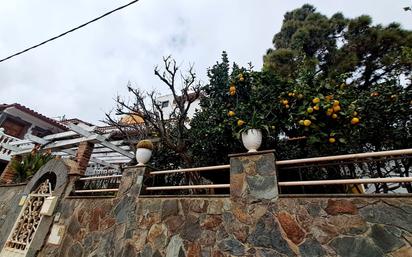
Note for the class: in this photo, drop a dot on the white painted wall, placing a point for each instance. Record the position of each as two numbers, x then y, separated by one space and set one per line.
168 110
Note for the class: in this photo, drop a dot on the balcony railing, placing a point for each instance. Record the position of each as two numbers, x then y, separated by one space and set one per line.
5 154
98 182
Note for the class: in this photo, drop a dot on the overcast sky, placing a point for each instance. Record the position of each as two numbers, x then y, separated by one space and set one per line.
79 75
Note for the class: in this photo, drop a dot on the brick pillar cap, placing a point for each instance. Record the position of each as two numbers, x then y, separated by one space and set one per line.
251 153
139 166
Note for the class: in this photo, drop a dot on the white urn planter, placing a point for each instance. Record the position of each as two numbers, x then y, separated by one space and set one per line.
143 156
252 139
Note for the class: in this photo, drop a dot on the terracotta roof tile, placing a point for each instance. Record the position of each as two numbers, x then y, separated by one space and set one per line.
33 113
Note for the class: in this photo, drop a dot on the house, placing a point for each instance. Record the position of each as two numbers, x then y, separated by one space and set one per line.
167 103
16 121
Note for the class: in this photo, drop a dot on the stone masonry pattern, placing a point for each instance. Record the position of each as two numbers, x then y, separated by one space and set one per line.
217 227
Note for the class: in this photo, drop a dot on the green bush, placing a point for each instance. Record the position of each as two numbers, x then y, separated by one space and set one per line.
29 165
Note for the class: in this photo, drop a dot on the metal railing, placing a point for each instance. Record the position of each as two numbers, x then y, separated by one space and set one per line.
98 182
5 153
373 172
349 173
386 171
181 188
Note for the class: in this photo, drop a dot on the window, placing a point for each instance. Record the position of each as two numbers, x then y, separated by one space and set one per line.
165 104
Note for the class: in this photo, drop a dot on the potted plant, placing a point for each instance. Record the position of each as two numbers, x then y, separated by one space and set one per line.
251 131
249 112
143 151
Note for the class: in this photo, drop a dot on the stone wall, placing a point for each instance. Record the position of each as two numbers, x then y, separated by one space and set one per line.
215 227
253 221
9 199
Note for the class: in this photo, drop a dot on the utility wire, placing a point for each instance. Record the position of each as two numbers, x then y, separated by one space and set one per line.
69 31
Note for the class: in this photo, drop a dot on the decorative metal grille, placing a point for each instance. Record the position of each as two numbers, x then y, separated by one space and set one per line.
27 223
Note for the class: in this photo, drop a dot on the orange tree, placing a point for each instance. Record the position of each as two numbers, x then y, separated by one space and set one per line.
234 99
366 67
327 115
250 101
331 117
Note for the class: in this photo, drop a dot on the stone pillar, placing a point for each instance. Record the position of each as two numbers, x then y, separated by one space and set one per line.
132 180
8 175
127 196
253 177
84 152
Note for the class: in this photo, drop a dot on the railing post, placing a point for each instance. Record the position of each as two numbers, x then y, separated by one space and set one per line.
132 180
129 191
253 177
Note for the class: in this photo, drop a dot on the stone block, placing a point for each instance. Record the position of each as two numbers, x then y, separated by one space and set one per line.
355 247
336 207
253 178
292 229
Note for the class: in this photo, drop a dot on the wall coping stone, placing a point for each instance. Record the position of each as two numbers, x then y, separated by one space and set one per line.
89 197
14 184
204 197
251 153
349 196
139 166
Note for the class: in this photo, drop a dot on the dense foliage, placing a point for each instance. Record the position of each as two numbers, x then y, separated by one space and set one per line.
366 68
29 165
329 86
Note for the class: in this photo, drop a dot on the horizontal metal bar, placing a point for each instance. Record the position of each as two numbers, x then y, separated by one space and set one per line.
346 157
188 187
218 167
100 177
346 181
345 163
96 190
118 161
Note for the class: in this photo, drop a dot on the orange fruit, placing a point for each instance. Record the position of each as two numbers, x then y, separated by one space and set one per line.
307 123
310 110
232 90
334 116
316 107
287 106
285 102
301 122
240 123
316 100
329 111
336 108
355 113
354 121
336 103
332 140
231 113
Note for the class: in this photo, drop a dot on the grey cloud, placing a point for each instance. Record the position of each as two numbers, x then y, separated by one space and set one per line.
80 74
